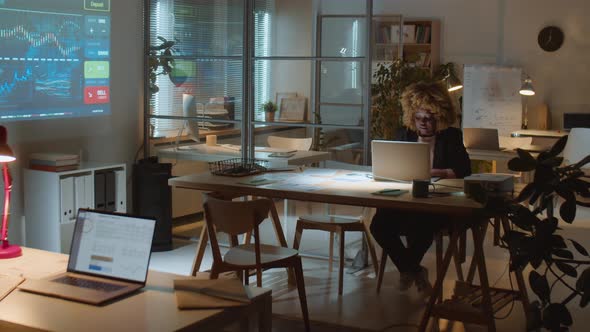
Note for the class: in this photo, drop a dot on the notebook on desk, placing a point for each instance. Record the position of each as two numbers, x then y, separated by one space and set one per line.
109 258
400 161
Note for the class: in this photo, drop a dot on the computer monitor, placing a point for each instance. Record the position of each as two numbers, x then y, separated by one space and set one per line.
189 108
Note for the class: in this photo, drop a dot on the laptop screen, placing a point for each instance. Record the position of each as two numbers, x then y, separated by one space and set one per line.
111 245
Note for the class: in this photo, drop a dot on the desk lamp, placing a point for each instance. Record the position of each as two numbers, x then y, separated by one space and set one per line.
526 90
453 83
6 155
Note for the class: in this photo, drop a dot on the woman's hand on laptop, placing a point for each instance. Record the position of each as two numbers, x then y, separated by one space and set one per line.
446 173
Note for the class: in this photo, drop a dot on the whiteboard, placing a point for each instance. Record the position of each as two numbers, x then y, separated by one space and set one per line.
491 98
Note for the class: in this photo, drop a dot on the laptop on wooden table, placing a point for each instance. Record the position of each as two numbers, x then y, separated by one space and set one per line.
481 139
400 161
109 258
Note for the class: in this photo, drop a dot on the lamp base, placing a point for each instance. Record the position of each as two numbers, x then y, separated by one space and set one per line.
8 250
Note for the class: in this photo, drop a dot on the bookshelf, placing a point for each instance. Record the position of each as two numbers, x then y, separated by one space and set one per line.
419 40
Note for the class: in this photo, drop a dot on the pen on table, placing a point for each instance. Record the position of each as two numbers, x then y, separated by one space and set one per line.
389 190
257 180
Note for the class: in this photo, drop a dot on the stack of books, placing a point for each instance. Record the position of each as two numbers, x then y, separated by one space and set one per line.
54 162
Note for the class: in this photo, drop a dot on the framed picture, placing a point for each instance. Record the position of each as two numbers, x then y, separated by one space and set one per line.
281 95
293 109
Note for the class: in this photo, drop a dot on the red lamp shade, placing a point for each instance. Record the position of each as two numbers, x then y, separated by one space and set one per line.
6 154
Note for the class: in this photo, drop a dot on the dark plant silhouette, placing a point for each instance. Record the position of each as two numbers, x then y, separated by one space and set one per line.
534 238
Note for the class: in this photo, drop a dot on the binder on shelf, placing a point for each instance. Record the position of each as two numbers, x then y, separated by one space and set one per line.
120 190
83 192
110 196
66 192
99 191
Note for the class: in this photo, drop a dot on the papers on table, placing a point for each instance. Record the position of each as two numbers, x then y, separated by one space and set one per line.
8 284
210 294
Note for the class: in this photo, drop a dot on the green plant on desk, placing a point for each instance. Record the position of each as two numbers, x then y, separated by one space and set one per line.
535 240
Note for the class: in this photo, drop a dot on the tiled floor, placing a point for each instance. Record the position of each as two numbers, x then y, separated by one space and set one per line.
360 308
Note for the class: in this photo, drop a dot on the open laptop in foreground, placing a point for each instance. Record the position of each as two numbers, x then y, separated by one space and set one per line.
481 139
400 161
109 258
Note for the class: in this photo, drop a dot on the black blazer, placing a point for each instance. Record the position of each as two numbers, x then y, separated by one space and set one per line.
449 151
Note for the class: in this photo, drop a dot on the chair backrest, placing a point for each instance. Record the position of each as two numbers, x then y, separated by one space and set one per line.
235 218
577 146
300 144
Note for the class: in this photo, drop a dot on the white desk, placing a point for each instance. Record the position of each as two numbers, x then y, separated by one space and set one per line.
151 309
556 134
202 152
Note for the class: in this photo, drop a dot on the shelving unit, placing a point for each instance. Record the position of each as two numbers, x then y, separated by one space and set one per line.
52 200
419 40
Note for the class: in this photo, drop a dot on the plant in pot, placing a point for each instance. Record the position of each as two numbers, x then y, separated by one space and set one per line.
534 238
269 108
161 63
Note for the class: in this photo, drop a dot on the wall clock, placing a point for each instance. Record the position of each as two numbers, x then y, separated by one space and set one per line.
550 38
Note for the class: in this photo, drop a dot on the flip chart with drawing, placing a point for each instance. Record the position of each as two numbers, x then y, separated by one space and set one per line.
491 98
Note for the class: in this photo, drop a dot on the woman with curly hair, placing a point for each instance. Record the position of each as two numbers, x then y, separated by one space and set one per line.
428 114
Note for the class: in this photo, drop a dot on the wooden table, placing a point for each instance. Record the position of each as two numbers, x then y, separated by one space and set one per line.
356 188
152 309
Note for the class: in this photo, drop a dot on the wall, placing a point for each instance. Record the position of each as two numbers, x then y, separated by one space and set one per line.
505 32
114 138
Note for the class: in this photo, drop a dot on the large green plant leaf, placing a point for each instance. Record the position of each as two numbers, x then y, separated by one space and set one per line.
523 163
540 286
579 248
558 147
555 316
583 286
567 269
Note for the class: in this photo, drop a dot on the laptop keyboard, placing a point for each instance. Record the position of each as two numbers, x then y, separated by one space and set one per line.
90 284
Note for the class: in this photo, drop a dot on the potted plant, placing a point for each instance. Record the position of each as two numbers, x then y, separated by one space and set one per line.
534 237
269 109
161 57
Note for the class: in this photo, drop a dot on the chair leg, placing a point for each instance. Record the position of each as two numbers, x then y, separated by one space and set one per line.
381 270
341 267
331 252
301 291
297 238
371 247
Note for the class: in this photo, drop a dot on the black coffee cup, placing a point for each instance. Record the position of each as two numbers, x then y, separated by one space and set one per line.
420 188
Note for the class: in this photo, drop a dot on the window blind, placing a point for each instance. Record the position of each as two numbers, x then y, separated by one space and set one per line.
212 29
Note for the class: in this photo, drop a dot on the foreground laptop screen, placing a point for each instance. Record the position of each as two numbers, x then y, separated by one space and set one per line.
111 245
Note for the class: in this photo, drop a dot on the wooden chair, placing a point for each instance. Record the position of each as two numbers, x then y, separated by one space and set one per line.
339 225
300 144
235 218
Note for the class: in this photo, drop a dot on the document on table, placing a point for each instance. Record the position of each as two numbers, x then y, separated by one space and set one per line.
209 294
8 284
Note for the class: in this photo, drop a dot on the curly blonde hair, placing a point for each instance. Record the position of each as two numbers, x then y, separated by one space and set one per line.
432 97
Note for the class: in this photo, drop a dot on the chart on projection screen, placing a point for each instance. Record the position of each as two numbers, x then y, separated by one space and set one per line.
491 98
54 58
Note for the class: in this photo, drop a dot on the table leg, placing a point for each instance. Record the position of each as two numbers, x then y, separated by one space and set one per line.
524 297
437 289
203 239
265 314
483 277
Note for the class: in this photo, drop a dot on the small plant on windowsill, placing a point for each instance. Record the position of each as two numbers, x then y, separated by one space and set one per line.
269 108
534 237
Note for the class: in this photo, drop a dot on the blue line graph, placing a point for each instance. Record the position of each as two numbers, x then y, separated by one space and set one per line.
44 49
